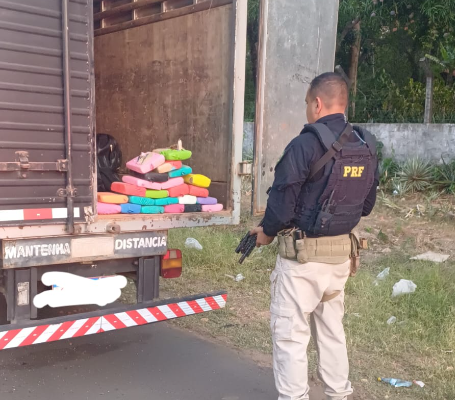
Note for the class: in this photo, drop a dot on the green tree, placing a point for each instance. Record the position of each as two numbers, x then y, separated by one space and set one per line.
253 34
394 37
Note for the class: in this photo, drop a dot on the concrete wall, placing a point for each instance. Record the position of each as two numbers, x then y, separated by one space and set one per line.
401 141
427 141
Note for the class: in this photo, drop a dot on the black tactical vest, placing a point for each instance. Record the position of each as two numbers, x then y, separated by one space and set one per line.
332 204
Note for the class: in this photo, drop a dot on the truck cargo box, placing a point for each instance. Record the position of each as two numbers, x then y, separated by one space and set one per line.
147 72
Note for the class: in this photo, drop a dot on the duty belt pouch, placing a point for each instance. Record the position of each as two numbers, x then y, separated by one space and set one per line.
302 254
327 250
286 247
356 244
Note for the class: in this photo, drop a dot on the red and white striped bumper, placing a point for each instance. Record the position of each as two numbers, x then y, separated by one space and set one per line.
88 326
33 214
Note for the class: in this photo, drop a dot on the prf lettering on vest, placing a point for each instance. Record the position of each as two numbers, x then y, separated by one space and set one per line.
353 172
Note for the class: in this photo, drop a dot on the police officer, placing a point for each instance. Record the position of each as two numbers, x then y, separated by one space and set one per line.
324 183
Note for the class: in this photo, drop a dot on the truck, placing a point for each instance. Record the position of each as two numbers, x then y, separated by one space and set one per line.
149 73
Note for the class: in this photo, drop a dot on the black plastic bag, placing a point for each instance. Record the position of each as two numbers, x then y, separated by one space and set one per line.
109 160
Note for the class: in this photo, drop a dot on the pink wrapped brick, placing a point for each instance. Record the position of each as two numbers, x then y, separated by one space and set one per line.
173 182
141 182
212 208
106 209
145 162
174 208
152 185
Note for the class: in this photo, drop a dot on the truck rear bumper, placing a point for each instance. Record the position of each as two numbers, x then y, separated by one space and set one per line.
50 330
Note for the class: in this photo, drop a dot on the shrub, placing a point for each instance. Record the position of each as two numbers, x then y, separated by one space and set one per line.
444 176
417 175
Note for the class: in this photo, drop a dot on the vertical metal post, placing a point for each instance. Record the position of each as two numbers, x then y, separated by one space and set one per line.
67 121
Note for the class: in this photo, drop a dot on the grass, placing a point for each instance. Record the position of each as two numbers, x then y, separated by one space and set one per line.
420 345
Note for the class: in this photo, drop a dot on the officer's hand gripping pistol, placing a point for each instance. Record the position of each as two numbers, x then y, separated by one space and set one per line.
246 246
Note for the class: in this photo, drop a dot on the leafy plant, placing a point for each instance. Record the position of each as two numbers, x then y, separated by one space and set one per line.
388 169
399 187
444 176
379 149
416 174
447 59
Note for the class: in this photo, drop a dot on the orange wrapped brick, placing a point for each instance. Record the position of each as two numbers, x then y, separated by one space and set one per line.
112 198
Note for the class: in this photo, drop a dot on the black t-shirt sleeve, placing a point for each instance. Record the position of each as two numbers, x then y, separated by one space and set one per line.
291 173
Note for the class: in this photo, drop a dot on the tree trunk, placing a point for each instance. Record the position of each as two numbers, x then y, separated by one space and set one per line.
353 68
428 117
349 26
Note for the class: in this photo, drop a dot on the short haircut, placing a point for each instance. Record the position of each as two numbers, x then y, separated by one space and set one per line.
331 88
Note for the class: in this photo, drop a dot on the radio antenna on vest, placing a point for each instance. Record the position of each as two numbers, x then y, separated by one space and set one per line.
356 133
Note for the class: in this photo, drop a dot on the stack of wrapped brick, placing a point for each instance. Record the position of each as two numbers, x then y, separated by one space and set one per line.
157 183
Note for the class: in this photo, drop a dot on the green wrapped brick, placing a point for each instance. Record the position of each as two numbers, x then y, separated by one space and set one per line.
176 155
143 201
152 210
167 201
156 194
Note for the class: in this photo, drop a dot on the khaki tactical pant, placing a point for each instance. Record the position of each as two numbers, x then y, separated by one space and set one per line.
298 291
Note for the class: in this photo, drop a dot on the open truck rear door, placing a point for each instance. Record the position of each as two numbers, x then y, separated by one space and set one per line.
296 43
47 173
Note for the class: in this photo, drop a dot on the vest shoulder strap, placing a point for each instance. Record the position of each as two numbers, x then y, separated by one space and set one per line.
323 133
332 145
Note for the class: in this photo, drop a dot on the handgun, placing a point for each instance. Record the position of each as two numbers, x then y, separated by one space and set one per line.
248 242
246 246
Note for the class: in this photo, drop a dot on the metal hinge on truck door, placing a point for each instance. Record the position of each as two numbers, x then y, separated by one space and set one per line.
245 168
22 165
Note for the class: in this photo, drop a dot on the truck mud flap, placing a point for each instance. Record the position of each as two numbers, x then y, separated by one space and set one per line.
51 330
